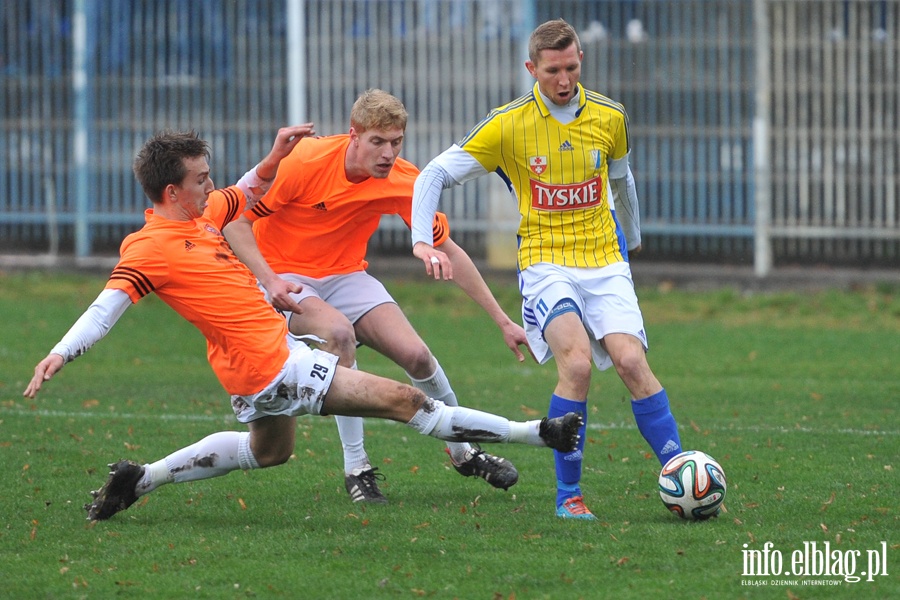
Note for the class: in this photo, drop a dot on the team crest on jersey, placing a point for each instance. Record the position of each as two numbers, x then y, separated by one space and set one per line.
596 158
212 229
538 164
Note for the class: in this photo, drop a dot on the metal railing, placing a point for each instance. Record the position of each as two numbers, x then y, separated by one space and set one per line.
762 130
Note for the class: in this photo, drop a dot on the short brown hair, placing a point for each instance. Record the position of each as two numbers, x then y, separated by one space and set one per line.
161 160
376 109
552 35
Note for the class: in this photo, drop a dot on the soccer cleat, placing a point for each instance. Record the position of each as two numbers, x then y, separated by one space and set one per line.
362 486
497 471
574 508
561 433
118 493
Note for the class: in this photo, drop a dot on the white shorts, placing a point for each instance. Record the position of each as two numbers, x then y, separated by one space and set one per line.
299 389
352 294
604 296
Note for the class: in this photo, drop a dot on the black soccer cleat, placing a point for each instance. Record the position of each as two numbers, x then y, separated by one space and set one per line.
362 485
118 493
561 433
497 471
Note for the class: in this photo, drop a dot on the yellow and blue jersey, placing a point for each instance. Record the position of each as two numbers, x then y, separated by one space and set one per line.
558 174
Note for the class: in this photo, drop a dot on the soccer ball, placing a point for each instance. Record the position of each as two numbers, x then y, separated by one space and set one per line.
692 485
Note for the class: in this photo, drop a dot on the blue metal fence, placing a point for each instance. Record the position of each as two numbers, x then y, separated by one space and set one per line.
715 89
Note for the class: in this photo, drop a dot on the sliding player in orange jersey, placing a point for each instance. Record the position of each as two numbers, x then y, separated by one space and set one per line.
181 256
563 151
312 229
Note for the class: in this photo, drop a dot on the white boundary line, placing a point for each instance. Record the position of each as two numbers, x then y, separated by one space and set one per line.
372 421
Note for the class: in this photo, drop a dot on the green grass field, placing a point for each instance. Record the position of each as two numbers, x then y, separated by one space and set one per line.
797 396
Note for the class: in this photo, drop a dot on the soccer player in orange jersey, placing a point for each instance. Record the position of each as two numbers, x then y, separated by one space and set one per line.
312 229
181 256
563 151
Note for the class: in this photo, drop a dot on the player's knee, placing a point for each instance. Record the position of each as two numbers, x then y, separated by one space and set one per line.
419 362
272 455
578 367
413 397
341 341
631 365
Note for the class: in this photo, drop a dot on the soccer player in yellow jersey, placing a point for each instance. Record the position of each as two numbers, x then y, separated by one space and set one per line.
563 152
312 229
181 255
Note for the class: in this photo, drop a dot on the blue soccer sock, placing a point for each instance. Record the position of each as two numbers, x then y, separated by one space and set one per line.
568 464
657 425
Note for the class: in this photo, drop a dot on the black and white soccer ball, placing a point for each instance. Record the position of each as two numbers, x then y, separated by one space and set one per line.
692 485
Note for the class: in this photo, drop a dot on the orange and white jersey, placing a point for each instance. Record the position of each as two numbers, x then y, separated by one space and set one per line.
558 174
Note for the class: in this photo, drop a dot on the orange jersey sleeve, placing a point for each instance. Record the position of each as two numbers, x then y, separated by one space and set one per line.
315 222
190 266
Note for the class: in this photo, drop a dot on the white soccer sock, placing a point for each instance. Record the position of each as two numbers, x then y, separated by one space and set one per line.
215 455
350 430
528 432
458 422
438 387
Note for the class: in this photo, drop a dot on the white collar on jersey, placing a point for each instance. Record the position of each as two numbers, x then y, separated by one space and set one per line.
564 114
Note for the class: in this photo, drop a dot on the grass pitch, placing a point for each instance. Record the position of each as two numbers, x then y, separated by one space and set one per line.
797 396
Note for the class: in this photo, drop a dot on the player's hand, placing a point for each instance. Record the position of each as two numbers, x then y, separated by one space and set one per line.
285 141
288 137
636 249
44 370
514 336
437 263
280 292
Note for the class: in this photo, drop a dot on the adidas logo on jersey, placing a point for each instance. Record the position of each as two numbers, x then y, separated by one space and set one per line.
320 206
188 245
566 146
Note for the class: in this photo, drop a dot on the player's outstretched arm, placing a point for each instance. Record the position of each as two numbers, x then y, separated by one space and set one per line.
90 327
472 283
256 182
285 141
239 234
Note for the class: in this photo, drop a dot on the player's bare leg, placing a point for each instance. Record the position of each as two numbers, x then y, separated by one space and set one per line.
324 321
270 440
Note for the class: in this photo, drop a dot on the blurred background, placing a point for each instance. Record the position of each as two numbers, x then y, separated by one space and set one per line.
764 132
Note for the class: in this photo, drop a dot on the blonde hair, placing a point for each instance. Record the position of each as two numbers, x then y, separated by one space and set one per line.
552 35
376 109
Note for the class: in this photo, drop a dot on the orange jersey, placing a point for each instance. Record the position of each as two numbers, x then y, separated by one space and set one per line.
191 267
314 222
